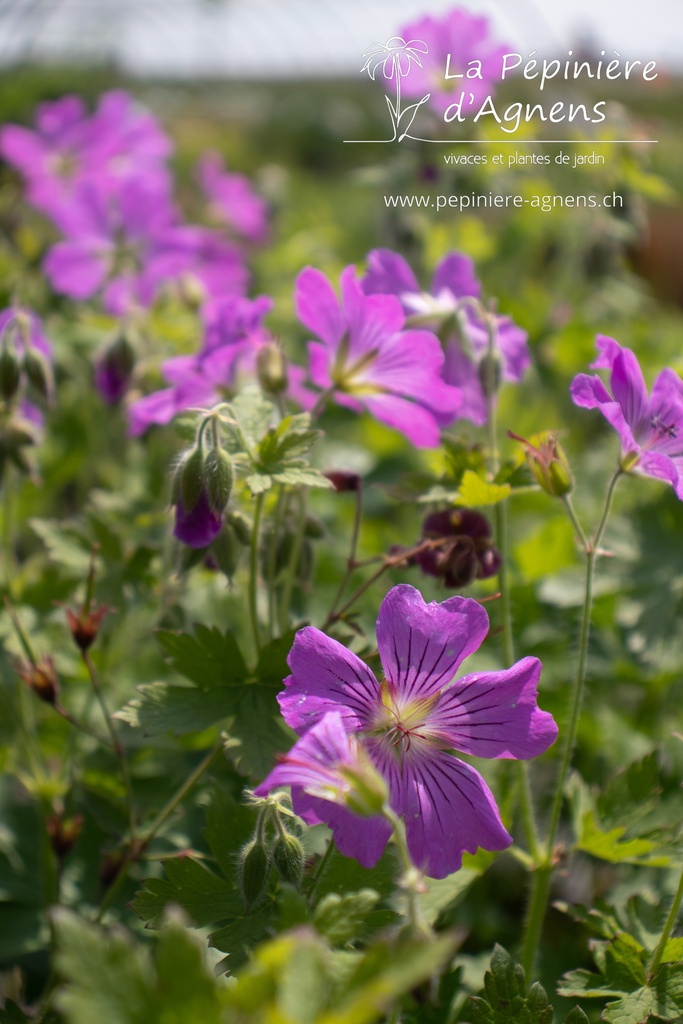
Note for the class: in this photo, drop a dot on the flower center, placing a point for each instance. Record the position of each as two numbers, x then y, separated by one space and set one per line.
348 376
401 725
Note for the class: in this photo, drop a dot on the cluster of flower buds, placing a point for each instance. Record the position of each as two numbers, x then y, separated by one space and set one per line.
25 372
202 485
281 850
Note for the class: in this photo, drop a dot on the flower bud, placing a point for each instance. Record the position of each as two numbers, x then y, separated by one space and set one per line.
271 368
40 677
368 792
288 858
490 374
39 372
217 477
344 481
84 624
190 478
548 464
240 525
114 367
63 832
253 872
10 372
225 550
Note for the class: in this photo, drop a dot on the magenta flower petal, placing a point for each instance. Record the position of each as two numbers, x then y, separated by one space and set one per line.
317 306
326 676
421 645
76 268
448 810
495 714
456 274
388 273
419 426
198 526
364 839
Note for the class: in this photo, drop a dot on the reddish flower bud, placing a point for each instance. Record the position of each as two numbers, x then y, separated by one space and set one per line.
40 677
343 481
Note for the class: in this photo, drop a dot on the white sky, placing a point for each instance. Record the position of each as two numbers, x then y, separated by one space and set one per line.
258 38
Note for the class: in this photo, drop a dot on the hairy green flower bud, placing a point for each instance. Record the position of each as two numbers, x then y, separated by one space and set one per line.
218 475
38 372
240 525
490 374
225 550
548 464
10 372
253 872
189 478
271 368
288 858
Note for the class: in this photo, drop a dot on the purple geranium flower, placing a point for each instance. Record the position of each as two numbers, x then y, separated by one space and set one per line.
367 359
457 38
412 719
69 147
650 428
232 200
443 309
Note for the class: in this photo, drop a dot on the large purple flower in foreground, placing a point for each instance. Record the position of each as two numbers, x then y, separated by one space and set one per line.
459 38
412 719
650 428
466 337
367 359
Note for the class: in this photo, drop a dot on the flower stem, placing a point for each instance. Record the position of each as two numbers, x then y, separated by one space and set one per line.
412 879
138 847
253 572
113 734
351 563
658 954
542 877
272 561
322 867
290 575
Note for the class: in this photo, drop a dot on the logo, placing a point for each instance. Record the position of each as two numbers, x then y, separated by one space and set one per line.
394 60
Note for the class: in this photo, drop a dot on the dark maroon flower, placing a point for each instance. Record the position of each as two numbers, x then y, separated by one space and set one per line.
466 552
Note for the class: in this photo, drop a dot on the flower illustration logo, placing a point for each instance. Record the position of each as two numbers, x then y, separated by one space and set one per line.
395 58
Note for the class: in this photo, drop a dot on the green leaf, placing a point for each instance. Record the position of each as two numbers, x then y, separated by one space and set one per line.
445 893
344 874
474 491
160 708
630 793
229 825
257 730
241 935
342 919
576 1016
506 1000
67 546
209 658
187 992
611 847
108 978
206 897
253 412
